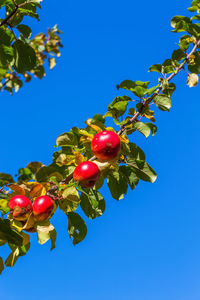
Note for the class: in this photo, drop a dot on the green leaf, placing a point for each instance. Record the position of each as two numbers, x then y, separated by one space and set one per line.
185 41
168 90
100 118
1 265
25 174
119 106
28 12
117 184
8 234
66 139
5 179
70 201
139 88
34 166
129 175
152 90
143 84
142 128
93 204
156 68
13 257
45 232
180 23
195 6
142 170
16 253
197 17
152 127
5 37
25 30
25 58
6 55
133 151
169 66
139 91
178 55
45 173
130 85
163 102
77 228
4 204
194 30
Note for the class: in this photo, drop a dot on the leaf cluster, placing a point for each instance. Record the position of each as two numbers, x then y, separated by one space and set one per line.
21 56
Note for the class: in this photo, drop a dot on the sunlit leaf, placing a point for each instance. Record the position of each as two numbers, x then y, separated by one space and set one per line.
163 102
45 232
192 80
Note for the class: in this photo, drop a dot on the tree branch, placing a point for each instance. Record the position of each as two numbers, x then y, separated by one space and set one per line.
9 16
159 89
144 105
17 6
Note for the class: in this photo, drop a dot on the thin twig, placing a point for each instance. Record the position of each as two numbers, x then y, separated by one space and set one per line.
14 2
11 28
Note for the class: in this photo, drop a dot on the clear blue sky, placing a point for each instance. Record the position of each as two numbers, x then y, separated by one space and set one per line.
147 246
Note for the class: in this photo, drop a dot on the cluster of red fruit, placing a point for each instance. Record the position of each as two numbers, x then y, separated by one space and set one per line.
21 207
105 146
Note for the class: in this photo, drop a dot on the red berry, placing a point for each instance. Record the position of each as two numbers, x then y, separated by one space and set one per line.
20 207
87 173
106 145
42 208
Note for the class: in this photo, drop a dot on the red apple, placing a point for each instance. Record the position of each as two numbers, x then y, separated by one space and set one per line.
42 208
20 207
87 173
106 145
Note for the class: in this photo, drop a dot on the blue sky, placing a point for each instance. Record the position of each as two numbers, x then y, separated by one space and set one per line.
147 246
